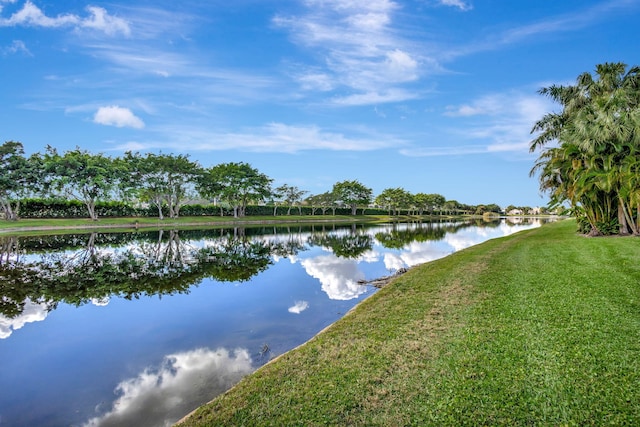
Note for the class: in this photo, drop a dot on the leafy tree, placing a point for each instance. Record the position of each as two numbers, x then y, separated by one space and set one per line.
164 180
236 184
429 202
324 202
313 202
18 177
451 206
594 167
352 194
395 199
422 202
80 175
292 196
277 197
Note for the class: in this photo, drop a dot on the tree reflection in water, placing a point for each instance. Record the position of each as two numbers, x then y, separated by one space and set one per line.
80 268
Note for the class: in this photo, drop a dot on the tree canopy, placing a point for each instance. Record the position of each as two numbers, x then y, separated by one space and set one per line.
352 194
80 175
18 177
595 165
236 184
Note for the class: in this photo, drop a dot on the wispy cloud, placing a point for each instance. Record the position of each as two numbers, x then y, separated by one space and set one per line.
494 123
462 5
272 138
98 18
356 49
15 47
117 116
578 19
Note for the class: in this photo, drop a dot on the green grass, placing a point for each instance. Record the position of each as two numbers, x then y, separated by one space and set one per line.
39 226
538 328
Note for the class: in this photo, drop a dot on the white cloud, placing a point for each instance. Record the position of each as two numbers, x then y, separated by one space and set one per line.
444 151
578 19
161 396
5 1
99 19
374 98
497 123
457 3
15 47
299 307
31 15
358 49
315 80
486 105
271 138
117 116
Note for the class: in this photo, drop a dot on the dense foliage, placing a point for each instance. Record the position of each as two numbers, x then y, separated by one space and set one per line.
595 165
77 184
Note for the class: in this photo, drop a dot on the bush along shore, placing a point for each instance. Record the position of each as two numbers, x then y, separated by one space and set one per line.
538 328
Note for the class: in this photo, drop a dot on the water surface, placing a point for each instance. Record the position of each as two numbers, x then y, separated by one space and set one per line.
139 329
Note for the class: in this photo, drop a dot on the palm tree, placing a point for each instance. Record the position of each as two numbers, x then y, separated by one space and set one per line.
594 166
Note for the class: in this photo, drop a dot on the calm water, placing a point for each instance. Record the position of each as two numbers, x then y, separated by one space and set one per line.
139 329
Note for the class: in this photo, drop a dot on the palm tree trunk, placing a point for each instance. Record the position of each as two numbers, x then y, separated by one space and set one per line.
622 218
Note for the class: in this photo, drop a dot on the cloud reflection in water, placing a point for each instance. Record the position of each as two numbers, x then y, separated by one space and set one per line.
32 312
299 307
338 276
162 396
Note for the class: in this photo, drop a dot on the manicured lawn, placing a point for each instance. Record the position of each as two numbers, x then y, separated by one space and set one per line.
39 225
538 328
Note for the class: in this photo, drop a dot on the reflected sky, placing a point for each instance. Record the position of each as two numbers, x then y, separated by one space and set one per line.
102 352
33 312
338 276
298 307
160 396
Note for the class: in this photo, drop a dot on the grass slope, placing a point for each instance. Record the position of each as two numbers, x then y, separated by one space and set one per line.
539 328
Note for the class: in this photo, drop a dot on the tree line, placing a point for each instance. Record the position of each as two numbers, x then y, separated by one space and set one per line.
166 182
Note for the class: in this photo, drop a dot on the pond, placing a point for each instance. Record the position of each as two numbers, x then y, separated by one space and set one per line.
139 329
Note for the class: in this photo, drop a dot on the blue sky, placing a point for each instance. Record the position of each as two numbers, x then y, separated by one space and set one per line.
434 96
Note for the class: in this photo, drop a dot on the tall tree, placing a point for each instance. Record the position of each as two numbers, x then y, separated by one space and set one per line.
598 135
395 199
80 175
352 194
293 196
235 183
19 177
323 201
164 180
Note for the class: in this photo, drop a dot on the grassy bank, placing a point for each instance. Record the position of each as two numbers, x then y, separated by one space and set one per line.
539 328
128 224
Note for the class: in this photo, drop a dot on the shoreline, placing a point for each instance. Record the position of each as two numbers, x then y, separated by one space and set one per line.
132 224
